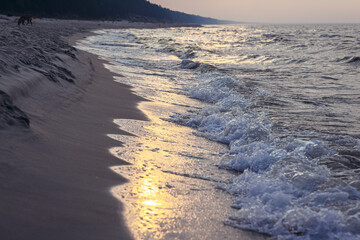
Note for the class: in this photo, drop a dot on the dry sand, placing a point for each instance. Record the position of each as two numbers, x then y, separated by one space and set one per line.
54 175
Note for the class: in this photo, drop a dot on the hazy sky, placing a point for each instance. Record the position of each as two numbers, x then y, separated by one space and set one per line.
278 11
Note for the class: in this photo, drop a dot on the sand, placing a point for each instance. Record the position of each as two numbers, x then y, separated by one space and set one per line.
54 174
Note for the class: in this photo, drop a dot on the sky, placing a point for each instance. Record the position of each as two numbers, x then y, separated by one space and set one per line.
271 11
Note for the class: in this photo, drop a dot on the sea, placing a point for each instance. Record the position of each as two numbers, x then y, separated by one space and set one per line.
282 100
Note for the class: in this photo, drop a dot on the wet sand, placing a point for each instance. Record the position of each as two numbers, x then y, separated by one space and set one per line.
54 176
173 176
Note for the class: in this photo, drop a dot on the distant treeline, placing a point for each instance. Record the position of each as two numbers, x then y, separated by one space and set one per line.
99 9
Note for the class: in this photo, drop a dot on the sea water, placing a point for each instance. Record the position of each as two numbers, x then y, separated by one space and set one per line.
285 99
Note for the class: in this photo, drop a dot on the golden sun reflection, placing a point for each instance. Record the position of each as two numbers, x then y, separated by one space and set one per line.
151 203
148 200
158 202
147 189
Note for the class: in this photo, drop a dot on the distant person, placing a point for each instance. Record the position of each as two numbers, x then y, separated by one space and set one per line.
25 18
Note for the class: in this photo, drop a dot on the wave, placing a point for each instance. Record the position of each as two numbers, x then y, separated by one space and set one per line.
188 64
188 54
201 67
330 35
329 78
283 189
349 59
298 61
273 37
114 44
354 60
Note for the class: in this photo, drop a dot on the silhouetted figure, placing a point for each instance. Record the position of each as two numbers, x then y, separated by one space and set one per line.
25 18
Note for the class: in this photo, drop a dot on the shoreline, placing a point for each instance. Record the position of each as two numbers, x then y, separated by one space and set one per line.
59 178
171 193
55 176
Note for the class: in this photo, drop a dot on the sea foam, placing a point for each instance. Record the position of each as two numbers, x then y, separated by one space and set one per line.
283 190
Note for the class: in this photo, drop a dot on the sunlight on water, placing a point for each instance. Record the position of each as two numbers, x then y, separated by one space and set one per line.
166 198
151 203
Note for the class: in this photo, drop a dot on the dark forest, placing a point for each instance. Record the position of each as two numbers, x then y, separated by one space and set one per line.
136 10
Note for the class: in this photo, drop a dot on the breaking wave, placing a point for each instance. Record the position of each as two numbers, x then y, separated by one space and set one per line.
283 189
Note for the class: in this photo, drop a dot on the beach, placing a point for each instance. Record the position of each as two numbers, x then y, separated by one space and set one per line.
58 108
124 130
55 175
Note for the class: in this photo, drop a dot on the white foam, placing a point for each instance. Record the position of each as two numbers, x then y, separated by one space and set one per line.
283 190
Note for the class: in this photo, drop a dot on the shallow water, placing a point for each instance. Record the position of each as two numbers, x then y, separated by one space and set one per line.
171 181
284 99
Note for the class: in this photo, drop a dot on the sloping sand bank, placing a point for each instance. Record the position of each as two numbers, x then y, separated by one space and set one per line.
54 175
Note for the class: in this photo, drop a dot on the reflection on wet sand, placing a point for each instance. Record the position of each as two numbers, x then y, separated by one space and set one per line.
168 195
